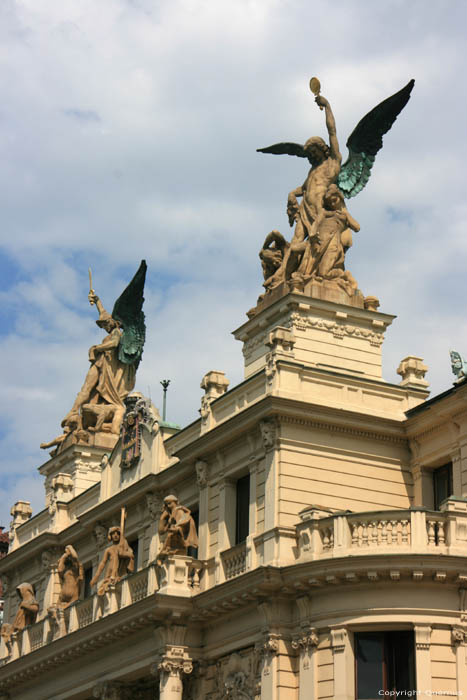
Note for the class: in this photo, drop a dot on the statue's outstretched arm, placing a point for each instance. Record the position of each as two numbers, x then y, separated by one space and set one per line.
352 223
331 127
100 569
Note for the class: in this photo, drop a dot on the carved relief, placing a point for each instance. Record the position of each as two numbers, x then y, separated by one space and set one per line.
268 433
201 473
236 677
154 504
100 535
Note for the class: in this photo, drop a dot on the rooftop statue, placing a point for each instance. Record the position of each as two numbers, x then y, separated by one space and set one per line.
320 226
99 406
458 366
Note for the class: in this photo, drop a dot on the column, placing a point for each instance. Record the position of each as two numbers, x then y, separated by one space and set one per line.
344 671
268 664
422 660
306 645
173 661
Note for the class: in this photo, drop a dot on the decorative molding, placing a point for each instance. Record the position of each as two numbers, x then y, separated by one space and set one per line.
300 322
331 427
422 637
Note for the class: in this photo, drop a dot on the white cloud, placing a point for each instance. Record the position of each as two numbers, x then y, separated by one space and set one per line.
129 129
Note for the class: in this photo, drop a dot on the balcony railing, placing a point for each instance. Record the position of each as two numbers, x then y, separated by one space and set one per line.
353 534
234 561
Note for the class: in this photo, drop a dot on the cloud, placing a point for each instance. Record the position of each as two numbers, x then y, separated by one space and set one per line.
128 131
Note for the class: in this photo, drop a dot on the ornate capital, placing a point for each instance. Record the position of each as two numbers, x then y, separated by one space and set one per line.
458 635
306 641
174 662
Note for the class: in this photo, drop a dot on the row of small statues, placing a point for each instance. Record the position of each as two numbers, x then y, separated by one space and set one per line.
176 524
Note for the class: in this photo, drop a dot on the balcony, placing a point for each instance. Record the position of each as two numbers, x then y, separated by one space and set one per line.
176 576
413 531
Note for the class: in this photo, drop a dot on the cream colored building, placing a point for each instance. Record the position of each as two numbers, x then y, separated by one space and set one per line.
332 533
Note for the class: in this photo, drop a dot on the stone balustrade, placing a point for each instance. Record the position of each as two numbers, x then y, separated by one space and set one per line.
415 530
234 561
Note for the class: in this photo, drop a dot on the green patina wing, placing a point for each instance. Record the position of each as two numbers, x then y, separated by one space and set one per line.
287 148
128 311
367 139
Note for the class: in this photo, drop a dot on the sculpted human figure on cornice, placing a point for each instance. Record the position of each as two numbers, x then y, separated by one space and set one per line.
178 526
28 607
118 560
71 574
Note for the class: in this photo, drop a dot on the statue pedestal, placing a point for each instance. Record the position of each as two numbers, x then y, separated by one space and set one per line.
325 333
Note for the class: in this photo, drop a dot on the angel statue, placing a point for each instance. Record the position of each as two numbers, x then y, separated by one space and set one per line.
99 406
310 214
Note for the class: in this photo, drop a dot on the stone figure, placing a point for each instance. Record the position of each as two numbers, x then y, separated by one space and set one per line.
28 607
324 258
118 560
5 633
178 526
458 365
326 169
71 574
111 377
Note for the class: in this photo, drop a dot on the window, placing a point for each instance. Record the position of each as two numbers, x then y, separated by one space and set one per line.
87 581
442 484
242 514
193 551
134 546
384 661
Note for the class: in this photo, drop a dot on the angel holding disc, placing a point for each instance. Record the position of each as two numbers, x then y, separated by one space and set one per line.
364 143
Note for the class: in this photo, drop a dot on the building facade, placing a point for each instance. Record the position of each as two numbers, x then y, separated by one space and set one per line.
331 514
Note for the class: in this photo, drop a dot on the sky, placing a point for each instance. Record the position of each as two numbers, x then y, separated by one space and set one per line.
128 130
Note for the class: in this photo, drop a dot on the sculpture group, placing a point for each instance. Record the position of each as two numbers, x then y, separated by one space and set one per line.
99 405
322 233
177 531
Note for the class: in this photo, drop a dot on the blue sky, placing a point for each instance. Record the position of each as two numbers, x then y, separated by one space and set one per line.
129 130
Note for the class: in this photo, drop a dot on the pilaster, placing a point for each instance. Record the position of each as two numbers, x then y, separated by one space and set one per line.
423 660
344 674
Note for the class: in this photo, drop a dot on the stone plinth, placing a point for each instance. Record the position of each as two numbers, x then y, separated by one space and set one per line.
327 335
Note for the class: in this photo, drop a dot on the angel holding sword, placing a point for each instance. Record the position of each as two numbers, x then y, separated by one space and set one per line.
111 376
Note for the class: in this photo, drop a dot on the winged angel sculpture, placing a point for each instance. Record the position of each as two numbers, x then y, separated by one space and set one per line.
322 223
99 405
